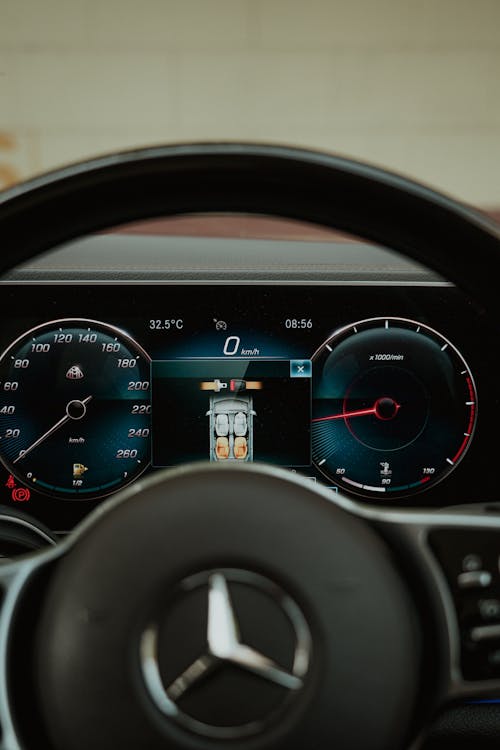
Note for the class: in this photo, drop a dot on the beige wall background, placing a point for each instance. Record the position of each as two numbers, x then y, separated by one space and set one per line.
411 85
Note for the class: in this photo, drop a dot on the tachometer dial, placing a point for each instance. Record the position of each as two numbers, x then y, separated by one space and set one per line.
394 407
75 408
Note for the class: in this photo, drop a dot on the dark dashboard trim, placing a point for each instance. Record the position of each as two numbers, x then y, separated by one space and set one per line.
222 282
16 521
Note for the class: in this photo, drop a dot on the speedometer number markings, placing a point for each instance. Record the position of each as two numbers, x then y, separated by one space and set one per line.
81 391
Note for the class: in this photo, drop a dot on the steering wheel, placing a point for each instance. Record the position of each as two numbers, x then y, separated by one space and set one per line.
252 610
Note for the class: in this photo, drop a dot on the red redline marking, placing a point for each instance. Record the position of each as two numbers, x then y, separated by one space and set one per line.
471 421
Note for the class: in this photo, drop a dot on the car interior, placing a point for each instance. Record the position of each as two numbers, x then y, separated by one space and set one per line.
248 424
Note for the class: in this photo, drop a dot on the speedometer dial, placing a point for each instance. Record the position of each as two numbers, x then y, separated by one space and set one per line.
394 407
75 408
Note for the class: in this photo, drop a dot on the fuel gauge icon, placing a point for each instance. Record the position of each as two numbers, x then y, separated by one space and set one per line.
79 470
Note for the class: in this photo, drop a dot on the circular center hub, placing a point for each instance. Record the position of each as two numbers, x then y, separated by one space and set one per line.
214 667
386 408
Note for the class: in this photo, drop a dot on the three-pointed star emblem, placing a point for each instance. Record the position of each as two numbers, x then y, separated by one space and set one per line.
224 645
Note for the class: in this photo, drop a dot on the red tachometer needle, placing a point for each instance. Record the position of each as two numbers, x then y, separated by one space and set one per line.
346 415
384 408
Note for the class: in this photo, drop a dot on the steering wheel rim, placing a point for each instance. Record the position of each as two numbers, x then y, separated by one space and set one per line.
289 182
272 180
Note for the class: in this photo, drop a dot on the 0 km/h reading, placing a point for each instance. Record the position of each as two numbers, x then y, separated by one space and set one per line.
394 407
75 408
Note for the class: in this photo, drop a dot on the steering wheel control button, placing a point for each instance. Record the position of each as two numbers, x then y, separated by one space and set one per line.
229 677
474 579
489 609
472 562
485 633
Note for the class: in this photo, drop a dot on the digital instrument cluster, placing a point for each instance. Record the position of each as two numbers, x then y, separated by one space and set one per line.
370 390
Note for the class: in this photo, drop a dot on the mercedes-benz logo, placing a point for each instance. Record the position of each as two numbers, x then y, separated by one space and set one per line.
225 647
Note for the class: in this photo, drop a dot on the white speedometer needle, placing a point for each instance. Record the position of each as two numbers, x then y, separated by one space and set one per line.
75 409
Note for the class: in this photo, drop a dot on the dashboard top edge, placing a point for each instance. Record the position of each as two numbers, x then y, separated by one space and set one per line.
238 282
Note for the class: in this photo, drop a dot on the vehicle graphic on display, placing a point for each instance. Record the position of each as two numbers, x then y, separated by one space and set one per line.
231 428
231 419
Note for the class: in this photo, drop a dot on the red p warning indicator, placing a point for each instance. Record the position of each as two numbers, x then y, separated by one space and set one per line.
21 494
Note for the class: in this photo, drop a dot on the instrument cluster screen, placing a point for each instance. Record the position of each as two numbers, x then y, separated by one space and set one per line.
385 393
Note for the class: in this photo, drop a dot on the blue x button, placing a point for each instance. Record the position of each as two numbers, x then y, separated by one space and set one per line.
300 368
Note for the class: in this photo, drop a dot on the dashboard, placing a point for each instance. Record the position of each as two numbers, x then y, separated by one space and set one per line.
142 348
369 375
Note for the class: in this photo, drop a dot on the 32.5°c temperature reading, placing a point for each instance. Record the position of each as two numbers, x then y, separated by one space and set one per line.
167 324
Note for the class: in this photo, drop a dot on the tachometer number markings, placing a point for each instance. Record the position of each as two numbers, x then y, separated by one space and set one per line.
391 407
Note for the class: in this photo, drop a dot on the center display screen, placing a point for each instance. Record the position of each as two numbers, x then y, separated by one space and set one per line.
231 411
